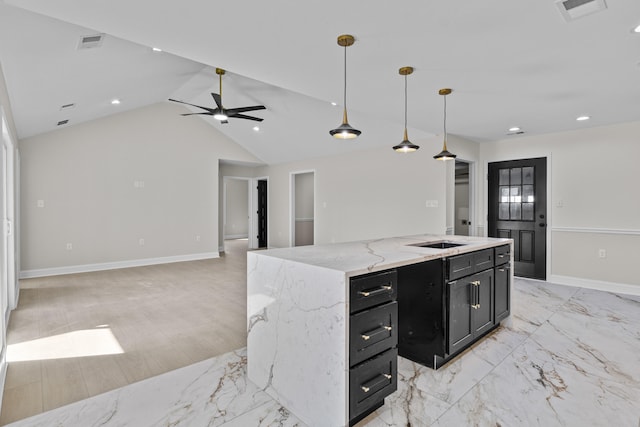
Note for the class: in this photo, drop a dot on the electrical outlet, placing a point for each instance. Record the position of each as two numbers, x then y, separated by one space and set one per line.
141 242
431 203
197 238
69 246
602 253
40 203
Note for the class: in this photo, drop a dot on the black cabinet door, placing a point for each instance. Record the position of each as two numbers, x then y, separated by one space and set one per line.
459 322
502 277
482 313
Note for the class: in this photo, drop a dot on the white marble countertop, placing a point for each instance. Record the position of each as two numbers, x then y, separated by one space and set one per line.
355 258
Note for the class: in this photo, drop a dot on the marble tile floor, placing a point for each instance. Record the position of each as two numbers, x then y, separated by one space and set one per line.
566 357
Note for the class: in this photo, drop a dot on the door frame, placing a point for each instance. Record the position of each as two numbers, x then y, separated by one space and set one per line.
292 204
475 228
485 199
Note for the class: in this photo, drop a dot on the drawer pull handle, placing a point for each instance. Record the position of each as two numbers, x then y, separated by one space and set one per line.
476 283
368 335
501 270
375 382
371 292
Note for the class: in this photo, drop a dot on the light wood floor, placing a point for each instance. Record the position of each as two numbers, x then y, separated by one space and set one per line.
162 317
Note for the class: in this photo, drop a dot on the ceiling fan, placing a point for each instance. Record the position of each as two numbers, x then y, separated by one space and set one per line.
221 113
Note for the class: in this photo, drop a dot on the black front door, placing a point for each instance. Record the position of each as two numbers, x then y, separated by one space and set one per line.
518 210
262 214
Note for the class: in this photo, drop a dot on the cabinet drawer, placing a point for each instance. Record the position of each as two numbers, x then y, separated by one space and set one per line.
372 331
460 266
372 381
483 259
502 254
372 289
467 264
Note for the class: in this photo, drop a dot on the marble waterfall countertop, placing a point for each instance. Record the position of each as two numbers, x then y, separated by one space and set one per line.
355 258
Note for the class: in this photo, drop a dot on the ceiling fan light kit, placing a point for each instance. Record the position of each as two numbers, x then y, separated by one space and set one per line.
345 130
405 146
221 113
445 154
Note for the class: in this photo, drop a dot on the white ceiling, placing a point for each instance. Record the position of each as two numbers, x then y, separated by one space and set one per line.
509 63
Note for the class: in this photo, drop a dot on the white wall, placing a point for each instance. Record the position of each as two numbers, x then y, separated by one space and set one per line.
144 174
593 204
367 194
304 208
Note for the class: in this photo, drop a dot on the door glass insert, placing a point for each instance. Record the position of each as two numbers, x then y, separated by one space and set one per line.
517 194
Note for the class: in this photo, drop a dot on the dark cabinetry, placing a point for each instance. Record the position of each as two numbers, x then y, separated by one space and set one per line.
470 309
502 283
447 304
373 337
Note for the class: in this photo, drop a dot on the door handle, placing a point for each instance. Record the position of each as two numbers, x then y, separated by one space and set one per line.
542 224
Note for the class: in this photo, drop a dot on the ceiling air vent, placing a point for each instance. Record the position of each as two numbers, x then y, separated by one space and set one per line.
574 9
63 122
90 42
67 107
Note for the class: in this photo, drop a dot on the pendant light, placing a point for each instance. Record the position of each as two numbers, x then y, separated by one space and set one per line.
345 131
445 154
405 146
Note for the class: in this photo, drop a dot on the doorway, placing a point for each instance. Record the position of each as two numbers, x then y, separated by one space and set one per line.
302 208
517 209
235 220
261 212
461 220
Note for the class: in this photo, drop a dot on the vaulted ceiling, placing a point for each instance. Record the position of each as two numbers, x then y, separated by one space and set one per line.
509 63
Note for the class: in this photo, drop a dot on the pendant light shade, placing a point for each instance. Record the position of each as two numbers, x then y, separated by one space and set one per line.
445 154
405 146
345 131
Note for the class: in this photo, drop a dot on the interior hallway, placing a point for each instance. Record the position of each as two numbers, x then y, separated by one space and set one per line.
76 336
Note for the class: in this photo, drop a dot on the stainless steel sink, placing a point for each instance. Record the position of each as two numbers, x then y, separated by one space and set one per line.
441 244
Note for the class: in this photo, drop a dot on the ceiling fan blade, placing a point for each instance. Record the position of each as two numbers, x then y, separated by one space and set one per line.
244 116
194 114
218 99
211 110
243 109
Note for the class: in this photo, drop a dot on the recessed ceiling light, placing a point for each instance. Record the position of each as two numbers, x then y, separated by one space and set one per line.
637 29
334 103
514 129
115 101
582 118
256 128
156 49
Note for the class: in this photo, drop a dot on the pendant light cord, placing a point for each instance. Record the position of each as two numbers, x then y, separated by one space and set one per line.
445 119
405 102
344 94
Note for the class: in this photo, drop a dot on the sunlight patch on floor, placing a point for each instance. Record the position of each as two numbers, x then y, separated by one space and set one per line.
83 343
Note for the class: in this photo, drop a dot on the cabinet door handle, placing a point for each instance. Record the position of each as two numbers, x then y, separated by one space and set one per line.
501 270
368 335
375 291
381 378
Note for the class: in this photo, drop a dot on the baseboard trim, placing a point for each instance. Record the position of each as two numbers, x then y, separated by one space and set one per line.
87 268
599 285
235 236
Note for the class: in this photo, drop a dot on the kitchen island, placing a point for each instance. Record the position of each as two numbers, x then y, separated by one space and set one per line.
304 306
